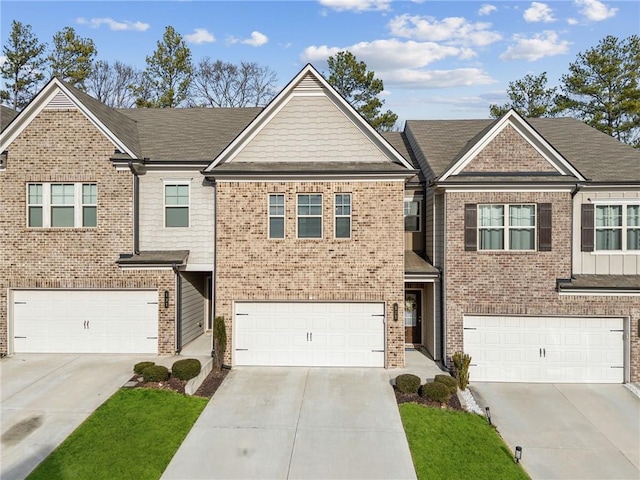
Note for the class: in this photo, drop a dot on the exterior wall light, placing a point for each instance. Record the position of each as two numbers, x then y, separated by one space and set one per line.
518 454
166 299
395 312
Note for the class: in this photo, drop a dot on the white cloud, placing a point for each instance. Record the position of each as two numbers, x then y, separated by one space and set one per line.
457 30
539 12
595 10
460 77
356 5
113 24
3 60
572 21
486 9
200 35
257 39
541 45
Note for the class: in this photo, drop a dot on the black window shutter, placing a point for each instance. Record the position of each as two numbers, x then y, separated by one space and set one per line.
544 227
470 227
587 227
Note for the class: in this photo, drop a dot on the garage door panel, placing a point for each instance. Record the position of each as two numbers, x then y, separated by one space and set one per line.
311 334
85 321
545 349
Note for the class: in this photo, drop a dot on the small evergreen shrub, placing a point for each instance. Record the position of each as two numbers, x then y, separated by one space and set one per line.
407 383
155 373
436 392
461 362
450 382
219 341
139 367
186 369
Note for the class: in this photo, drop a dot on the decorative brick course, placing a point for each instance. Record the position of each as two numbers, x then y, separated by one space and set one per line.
63 146
368 267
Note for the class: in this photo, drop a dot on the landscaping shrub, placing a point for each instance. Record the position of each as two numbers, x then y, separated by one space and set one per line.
407 383
186 369
461 363
436 392
155 373
139 367
450 382
219 341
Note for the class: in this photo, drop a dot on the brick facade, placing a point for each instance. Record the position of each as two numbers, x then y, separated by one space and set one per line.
367 267
63 146
520 283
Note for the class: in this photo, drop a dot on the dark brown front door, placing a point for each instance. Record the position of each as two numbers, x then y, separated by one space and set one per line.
413 317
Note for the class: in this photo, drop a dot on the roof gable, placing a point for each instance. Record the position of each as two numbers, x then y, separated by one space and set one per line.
56 94
528 151
309 121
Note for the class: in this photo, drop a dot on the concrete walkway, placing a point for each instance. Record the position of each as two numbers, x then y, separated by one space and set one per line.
303 423
568 431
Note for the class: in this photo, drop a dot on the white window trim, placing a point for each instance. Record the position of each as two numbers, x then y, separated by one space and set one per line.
47 204
418 200
623 228
82 204
506 228
166 183
336 216
298 216
283 216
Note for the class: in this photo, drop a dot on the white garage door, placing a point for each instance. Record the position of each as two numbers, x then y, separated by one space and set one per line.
85 321
545 349
309 334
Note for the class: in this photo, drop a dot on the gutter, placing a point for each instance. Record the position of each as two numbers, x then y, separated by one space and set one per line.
136 209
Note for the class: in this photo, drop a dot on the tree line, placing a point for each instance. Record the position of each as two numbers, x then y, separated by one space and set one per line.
601 88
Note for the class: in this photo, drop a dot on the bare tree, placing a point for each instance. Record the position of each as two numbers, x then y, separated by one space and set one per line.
223 84
114 84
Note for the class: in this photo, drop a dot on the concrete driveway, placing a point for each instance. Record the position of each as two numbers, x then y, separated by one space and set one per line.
568 431
303 423
44 397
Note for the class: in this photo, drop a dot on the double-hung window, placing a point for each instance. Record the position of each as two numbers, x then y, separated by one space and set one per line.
617 227
411 215
276 215
343 215
507 227
62 205
309 215
176 205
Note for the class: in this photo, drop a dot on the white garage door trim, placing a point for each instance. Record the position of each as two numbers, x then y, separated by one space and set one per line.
84 321
327 334
545 349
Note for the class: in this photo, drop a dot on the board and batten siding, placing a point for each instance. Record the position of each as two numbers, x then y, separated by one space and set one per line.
192 306
198 237
325 135
602 262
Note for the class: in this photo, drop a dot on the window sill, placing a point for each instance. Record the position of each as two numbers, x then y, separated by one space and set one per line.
62 229
615 252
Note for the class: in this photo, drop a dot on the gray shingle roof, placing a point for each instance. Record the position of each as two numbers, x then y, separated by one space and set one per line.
188 133
121 126
6 116
414 263
156 257
601 282
597 156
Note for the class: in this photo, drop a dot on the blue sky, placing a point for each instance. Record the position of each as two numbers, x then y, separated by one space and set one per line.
438 59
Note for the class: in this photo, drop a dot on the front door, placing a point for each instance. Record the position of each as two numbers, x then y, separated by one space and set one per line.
413 317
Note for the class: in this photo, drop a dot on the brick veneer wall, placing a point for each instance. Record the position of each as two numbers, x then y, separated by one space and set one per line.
368 267
63 146
520 283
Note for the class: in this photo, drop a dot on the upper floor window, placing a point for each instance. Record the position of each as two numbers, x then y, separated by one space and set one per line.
276 215
176 205
309 215
506 227
62 205
617 227
343 215
412 215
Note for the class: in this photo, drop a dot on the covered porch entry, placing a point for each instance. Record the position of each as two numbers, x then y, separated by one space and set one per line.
421 304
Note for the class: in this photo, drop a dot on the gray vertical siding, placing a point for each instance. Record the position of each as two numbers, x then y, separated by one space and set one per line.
193 307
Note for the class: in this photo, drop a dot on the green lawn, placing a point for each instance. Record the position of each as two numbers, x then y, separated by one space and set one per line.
456 445
133 435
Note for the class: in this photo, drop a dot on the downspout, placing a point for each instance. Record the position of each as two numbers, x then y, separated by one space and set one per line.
574 192
178 308
214 281
136 209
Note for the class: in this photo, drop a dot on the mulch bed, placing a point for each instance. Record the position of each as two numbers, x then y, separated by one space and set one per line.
453 404
206 390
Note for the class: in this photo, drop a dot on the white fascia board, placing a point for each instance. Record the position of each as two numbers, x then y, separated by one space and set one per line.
470 188
599 293
40 103
416 278
528 133
283 98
